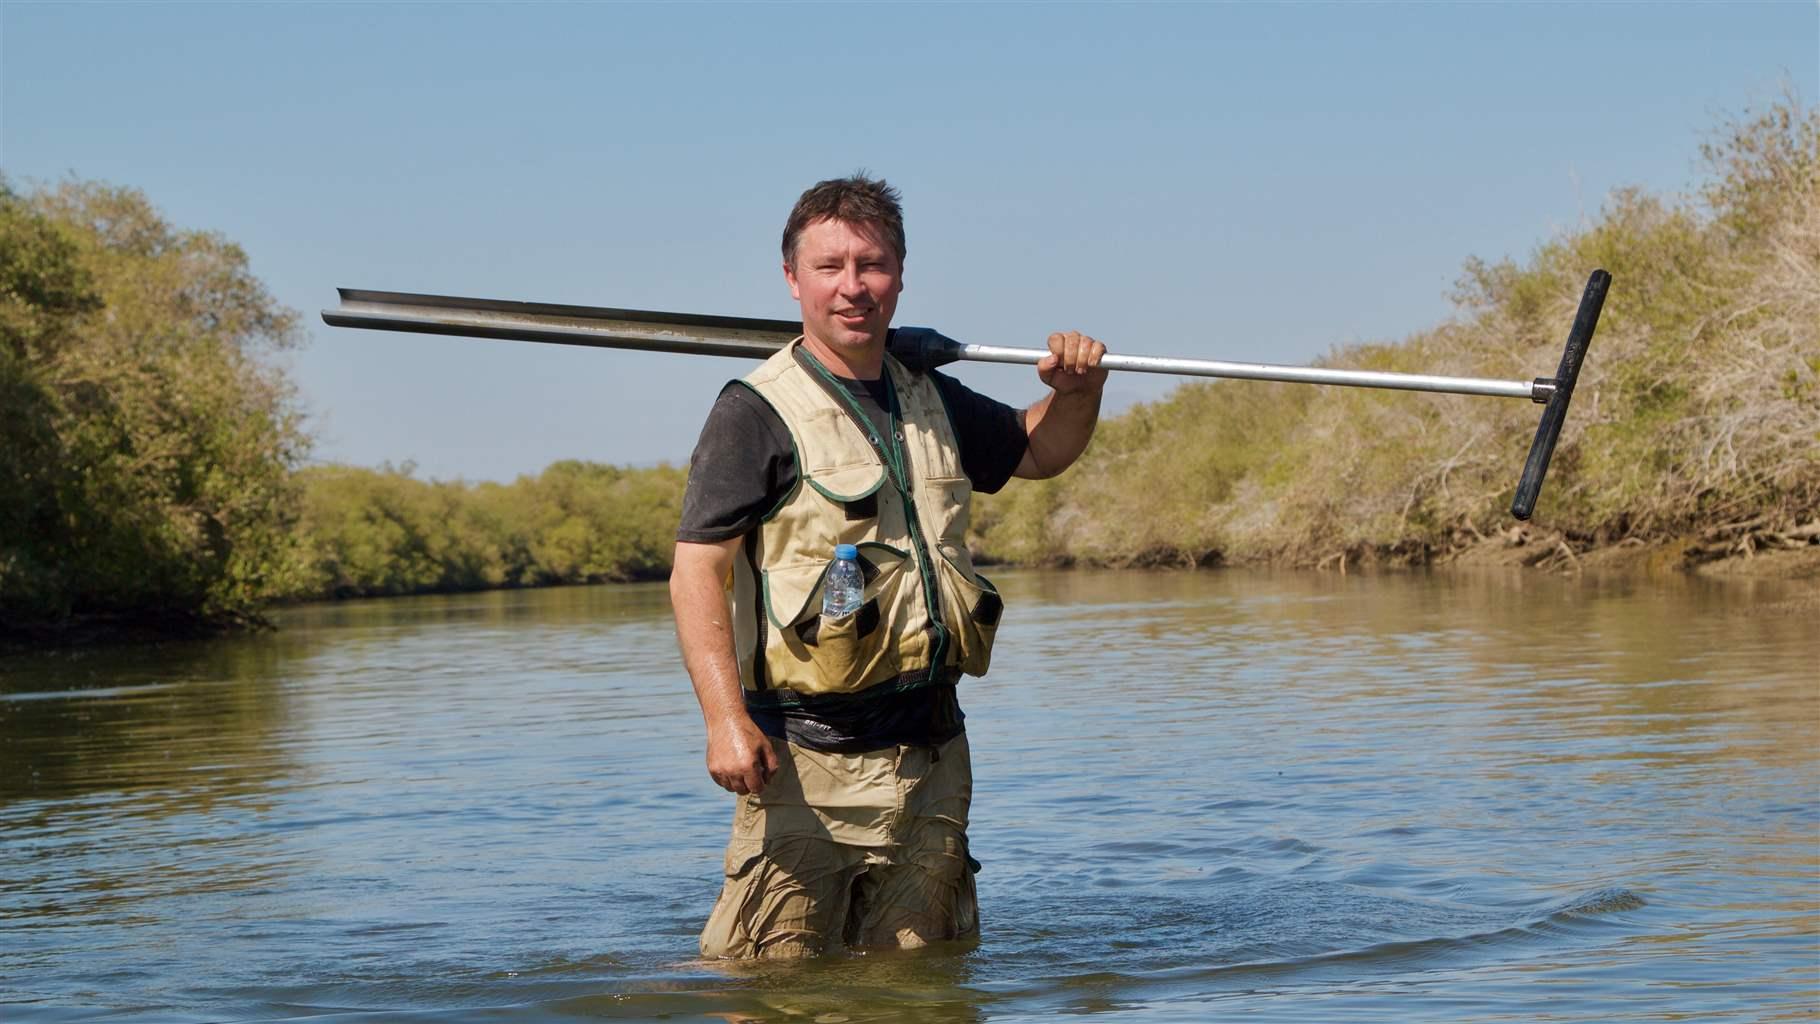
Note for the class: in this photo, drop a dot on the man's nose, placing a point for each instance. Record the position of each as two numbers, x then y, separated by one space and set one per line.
850 283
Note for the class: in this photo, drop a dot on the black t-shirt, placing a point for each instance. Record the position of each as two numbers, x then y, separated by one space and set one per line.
744 464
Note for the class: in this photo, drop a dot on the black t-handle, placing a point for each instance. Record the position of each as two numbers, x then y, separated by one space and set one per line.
1554 415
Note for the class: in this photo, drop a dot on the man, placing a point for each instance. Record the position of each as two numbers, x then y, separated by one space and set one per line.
843 738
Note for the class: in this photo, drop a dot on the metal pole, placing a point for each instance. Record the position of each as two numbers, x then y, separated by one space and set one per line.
1274 371
604 327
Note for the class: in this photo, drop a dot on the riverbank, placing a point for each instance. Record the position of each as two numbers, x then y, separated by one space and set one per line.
1736 556
1740 554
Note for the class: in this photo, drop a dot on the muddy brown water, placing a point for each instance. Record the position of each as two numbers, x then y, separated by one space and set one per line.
1472 796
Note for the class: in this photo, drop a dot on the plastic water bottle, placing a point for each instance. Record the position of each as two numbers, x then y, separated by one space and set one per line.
844 588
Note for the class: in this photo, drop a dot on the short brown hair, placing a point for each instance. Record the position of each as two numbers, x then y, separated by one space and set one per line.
855 199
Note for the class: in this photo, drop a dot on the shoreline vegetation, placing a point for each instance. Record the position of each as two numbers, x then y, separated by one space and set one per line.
155 472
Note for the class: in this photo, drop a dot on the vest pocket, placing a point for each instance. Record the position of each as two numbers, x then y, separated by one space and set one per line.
971 609
861 623
842 649
811 653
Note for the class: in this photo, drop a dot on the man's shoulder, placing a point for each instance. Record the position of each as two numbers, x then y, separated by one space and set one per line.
742 463
739 403
741 426
785 362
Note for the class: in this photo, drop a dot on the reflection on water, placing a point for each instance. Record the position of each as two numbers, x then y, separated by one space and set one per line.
1286 796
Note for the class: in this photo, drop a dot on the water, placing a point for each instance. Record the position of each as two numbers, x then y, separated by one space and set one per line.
1200 796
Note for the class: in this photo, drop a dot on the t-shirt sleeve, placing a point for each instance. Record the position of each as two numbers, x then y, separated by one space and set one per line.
742 467
990 433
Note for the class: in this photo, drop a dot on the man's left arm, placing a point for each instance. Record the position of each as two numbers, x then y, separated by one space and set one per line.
1061 423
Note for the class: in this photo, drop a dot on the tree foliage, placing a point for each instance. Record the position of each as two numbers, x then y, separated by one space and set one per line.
383 531
145 447
150 452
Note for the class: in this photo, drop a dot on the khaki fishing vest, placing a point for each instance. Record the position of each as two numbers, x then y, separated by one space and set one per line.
927 616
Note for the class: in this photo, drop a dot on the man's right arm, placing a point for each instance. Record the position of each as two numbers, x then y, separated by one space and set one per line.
740 757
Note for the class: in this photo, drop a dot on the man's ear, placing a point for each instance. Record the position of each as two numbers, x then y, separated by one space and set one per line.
790 276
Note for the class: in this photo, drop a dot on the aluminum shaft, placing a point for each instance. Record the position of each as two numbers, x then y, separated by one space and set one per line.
1290 374
603 327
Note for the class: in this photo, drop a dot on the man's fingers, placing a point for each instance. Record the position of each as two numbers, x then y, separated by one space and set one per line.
764 765
740 758
1071 351
754 779
753 775
1085 353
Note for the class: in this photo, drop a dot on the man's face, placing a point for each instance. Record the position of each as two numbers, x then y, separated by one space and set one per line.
847 279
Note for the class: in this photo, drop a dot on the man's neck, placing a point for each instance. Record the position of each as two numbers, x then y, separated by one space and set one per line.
865 364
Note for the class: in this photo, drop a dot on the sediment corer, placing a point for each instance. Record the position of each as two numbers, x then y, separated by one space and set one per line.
922 349
844 586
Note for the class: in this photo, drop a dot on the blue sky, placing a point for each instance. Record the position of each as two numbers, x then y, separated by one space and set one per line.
1243 181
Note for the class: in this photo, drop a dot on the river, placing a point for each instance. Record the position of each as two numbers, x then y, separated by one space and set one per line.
1202 795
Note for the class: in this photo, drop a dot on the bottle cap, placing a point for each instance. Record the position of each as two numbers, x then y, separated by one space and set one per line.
846 551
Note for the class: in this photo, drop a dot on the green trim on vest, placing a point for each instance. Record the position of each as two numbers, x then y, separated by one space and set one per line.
833 495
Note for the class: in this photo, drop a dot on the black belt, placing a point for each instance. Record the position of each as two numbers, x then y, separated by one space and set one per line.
836 703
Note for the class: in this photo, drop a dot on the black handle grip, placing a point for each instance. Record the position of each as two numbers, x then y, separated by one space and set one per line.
1554 415
922 349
